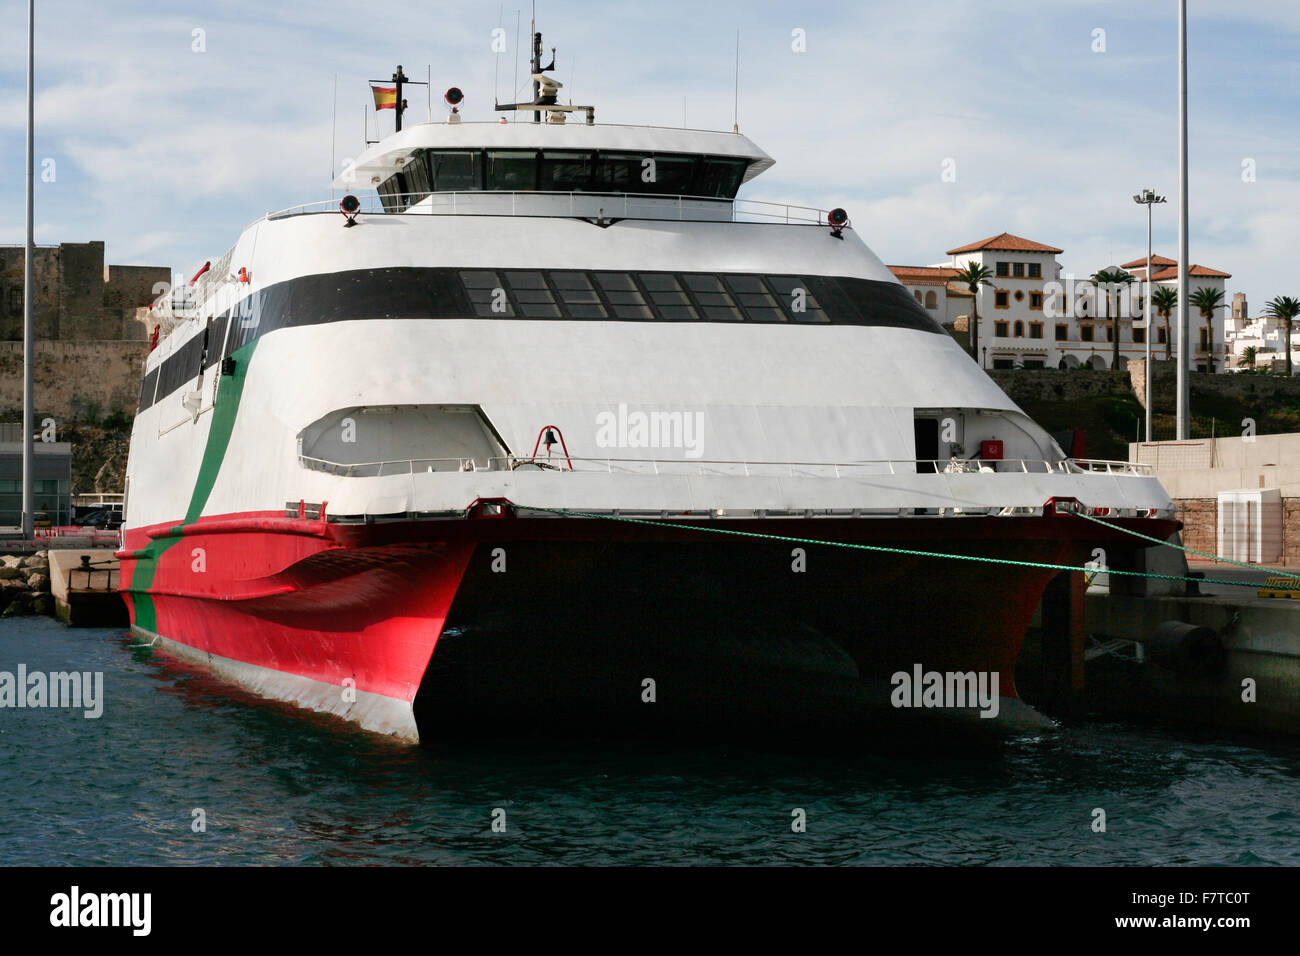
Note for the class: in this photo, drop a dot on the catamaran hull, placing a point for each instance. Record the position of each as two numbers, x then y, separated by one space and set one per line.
422 629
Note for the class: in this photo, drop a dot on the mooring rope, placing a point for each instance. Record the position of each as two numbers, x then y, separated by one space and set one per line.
883 548
1203 554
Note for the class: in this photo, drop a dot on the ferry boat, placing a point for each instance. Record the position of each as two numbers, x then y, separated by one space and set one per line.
547 400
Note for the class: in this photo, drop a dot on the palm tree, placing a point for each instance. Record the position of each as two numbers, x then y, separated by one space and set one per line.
1286 308
972 276
1108 279
1207 300
1165 301
1248 356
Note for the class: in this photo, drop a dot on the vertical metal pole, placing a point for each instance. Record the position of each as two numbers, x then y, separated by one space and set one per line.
1184 337
1146 314
29 291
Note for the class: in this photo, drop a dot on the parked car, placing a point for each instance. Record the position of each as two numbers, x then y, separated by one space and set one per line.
103 518
41 519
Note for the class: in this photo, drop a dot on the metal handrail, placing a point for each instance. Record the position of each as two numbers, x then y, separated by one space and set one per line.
703 467
453 203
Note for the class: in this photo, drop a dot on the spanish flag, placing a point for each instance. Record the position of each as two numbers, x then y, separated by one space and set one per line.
385 97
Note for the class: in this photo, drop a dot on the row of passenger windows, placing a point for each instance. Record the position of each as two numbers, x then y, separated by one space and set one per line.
509 170
693 297
436 293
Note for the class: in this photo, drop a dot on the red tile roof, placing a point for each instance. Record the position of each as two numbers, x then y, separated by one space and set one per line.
923 275
1155 261
1004 242
1195 272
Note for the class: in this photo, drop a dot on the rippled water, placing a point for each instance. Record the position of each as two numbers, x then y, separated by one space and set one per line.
278 786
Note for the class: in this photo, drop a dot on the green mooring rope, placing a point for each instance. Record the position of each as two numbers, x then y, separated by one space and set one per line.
1203 554
883 548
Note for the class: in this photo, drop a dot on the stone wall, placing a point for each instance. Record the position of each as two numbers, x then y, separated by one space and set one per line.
45 280
1055 385
1261 388
127 292
77 297
1291 532
74 380
1200 518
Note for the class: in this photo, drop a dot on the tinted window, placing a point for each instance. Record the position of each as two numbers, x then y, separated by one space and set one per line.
720 177
566 172
511 169
454 171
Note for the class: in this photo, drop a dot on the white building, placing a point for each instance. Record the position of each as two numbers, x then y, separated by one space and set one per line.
1032 314
1265 335
933 288
1209 340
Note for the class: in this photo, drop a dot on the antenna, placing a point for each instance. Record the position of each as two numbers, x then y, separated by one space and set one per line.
428 88
735 99
334 128
515 90
496 59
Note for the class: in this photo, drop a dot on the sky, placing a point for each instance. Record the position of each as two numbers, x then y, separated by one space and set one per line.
165 128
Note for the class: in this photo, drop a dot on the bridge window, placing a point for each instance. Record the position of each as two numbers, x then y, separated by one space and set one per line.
564 172
664 174
511 170
455 171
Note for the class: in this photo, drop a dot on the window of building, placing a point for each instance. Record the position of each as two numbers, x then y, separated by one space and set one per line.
1139 335
1160 336
1000 329
917 293
1085 333
1020 295
15 301
1035 272
1019 329
1205 339
1001 299
1004 363
931 300
1062 333
1035 300
1033 363
1035 330
1004 269
1018 269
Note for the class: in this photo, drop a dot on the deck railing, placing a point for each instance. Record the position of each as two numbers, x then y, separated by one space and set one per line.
746 469
613 205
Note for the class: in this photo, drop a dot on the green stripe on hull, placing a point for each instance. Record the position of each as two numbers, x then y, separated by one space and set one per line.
223 414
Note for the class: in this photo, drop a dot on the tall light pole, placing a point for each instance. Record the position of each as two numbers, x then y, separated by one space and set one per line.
1148 198
28 290
1184 390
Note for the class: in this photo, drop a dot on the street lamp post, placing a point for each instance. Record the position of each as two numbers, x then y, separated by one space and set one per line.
1148 198
29 288
1183 401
